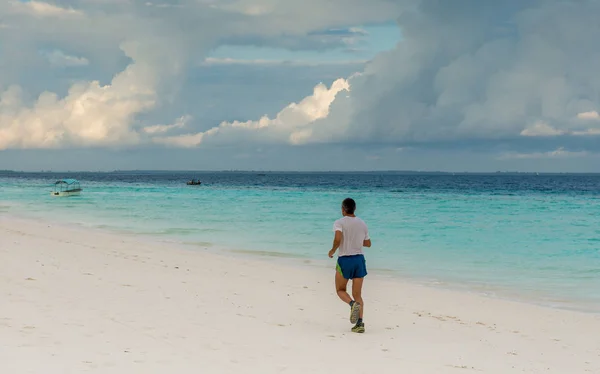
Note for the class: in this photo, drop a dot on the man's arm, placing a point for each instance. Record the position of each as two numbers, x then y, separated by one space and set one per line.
337 240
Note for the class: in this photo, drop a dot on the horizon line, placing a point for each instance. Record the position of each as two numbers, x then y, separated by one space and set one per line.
389 171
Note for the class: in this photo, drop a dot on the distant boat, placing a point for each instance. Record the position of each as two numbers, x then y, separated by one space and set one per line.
66 187
194 182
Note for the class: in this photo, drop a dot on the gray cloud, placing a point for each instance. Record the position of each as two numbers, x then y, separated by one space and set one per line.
160 41
558 153
246 156
481 70
516 76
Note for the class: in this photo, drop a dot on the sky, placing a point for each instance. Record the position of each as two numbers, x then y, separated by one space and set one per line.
463 85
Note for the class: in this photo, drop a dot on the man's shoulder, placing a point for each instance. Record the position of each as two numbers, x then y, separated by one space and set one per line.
338 223
360 220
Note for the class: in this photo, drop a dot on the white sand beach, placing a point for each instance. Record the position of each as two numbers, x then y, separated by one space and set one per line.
74 300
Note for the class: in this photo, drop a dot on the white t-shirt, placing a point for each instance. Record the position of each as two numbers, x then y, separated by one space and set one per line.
354 232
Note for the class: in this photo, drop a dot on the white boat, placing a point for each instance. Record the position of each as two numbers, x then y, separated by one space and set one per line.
66 187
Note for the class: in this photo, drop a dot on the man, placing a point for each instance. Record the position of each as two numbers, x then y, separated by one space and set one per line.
351 235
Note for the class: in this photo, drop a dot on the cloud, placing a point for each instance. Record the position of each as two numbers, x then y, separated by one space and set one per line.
91 113
344 32
558 153
293 124
316 14
279 23
592 115
209 61
158 46
501 75
181 122
43 9
163 5
506 72
455 76
60 59
588 132
348 36
540 128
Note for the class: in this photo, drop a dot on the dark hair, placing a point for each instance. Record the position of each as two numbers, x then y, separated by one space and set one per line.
349 206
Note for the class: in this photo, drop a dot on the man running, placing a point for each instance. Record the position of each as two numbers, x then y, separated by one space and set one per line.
351 235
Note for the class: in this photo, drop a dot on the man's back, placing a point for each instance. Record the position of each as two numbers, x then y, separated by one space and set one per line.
354 233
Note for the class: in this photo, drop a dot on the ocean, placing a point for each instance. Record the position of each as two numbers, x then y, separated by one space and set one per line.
527 237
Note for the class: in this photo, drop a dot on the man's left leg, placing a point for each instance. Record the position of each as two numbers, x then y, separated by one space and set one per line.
341 285
360 272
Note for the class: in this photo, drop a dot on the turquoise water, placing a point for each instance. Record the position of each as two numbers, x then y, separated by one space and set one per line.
525 237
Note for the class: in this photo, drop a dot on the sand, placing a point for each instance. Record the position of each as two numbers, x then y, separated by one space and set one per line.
75 300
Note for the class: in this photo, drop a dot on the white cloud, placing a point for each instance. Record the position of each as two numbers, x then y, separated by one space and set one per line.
91 114
558 153
60 59
588 132
358 30
180 123
593 115
43 9
540 128
163 5
291 125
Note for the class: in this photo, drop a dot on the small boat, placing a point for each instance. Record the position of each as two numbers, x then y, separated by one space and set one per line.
66 187
194 182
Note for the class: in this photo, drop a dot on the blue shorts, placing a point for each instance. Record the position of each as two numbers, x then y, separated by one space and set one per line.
351 267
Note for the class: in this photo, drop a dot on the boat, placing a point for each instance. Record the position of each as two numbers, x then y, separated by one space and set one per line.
66 187
194 182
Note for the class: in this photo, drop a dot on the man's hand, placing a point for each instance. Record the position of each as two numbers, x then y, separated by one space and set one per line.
337 240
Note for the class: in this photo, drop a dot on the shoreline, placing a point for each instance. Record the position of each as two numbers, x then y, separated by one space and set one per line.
486 290
75 300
